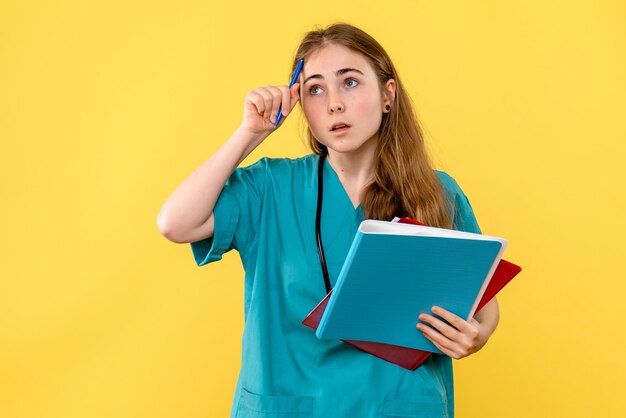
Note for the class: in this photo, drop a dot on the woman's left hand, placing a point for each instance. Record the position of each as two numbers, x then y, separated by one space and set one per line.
457 341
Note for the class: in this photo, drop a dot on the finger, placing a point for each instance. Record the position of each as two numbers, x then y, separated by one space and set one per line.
441 326
255 99
439 346
277 97
295 95
267 100
456 321
461 344
286 99
442 343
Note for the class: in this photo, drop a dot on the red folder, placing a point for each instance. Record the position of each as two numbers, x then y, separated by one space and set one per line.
410 358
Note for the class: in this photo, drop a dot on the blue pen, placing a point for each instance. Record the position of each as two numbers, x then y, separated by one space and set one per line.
296 74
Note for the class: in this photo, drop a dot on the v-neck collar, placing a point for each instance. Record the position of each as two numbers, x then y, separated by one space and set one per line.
335 178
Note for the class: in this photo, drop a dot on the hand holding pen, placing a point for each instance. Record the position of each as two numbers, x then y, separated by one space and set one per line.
294 78
265 107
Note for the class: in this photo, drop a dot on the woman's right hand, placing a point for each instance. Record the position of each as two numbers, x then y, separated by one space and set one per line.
261 108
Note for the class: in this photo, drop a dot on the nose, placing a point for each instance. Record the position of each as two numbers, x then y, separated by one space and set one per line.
335 104
335 108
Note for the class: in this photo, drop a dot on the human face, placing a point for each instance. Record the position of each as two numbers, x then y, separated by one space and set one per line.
340 86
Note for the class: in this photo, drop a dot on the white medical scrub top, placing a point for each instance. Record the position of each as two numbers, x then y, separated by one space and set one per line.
266 212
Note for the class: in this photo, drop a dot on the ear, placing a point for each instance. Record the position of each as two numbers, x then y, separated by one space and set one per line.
389 92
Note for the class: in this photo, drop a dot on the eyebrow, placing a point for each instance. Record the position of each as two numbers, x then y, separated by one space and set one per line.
337 73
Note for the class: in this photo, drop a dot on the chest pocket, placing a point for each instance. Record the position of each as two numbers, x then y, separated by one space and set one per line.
252 405
411 409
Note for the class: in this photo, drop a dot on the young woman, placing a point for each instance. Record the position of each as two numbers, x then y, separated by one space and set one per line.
369 154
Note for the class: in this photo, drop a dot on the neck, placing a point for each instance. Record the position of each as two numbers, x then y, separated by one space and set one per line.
355 168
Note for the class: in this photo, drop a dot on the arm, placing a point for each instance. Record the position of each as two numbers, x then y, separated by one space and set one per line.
489 316
463 338
187 215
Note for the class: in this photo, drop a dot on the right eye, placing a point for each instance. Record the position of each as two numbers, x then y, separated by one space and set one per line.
313 90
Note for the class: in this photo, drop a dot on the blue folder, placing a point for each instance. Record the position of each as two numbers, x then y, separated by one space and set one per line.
393 272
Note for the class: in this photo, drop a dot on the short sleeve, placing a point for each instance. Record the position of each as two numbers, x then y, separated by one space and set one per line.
236 214
463 214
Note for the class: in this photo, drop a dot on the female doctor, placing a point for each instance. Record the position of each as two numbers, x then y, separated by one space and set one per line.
370 159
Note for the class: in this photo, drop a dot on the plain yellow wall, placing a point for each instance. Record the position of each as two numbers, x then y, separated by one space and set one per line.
106 106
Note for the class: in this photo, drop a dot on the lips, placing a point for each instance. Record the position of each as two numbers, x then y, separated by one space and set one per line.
339 125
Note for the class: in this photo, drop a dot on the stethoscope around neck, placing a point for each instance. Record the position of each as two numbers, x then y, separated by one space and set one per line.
318 220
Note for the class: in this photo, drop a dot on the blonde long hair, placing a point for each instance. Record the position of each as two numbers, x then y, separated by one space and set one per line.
404 181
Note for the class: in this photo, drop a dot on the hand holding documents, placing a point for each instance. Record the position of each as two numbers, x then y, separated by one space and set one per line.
393 272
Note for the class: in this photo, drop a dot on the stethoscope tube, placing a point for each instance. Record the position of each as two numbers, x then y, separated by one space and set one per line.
318 220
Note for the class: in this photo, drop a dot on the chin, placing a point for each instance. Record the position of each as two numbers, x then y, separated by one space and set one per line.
345 145
338 145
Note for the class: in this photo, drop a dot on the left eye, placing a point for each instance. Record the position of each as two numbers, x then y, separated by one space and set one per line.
351 80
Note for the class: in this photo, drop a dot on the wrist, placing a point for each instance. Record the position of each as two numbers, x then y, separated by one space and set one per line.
485 329
249 136
245 141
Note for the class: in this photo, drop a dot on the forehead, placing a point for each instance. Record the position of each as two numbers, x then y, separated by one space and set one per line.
331 57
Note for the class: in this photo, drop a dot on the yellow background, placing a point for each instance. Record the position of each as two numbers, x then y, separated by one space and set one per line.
106 106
